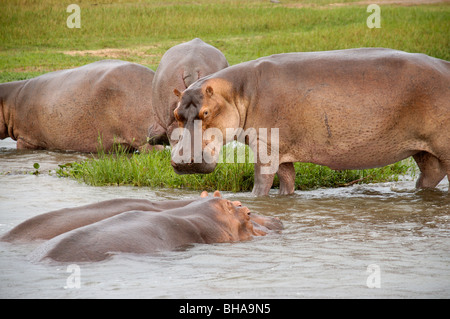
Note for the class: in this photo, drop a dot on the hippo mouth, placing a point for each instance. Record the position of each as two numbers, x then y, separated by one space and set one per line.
193 168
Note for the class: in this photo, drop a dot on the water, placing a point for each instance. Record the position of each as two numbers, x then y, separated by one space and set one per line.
336 244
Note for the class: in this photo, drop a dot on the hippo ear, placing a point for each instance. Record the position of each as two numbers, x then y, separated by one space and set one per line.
209 91
204 194
177 93
217 194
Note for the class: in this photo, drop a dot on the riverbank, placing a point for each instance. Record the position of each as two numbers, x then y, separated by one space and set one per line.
235 174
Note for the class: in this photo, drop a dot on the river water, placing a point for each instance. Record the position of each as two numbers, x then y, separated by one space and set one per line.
373 241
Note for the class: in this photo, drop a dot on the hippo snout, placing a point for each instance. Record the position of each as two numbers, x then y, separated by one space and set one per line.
193 168
266 223
274 224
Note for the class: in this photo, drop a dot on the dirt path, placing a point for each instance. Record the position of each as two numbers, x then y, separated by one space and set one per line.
395 2
379 2
142 52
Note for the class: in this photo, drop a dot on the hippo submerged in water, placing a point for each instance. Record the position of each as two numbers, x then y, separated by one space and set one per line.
95 232
70 109
347 109
180 66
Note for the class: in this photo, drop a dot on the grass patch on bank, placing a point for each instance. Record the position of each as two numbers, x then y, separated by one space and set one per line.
153 169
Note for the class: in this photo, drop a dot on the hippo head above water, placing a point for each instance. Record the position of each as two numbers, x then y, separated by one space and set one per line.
97 231
237 222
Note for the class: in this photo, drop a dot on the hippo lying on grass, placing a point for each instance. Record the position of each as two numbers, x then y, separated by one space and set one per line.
95 232
347 109
180 66
70 109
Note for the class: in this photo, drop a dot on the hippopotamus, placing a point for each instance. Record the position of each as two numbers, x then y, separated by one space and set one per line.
97 231
345 109
71 109
179 67
48 225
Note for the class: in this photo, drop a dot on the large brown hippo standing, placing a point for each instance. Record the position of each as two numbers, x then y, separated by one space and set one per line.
347 109
179 67
95 232
71 109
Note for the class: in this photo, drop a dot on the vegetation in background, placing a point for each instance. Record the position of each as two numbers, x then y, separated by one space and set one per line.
34 37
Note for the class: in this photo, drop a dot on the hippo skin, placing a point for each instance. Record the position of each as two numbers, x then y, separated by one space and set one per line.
70 109
346 109
97 231
48 225
179 67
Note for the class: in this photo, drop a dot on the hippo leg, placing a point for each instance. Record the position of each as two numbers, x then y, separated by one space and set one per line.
24 145
263 182
286 174
432 170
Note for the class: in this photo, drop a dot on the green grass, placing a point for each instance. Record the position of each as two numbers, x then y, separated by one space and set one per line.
34 39
311 176
153 169
34 35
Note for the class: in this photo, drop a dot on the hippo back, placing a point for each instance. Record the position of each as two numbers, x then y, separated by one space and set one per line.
70 109
181 66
